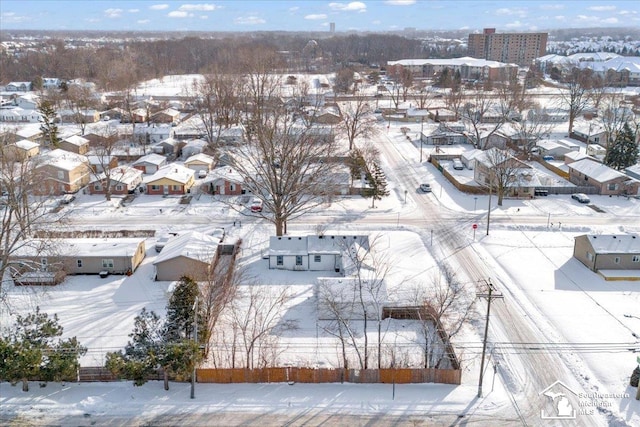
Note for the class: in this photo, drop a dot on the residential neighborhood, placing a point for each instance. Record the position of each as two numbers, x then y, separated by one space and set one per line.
461 231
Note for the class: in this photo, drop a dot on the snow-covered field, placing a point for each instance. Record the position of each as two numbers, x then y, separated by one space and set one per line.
530 243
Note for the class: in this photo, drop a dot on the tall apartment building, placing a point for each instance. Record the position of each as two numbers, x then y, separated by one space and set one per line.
514 48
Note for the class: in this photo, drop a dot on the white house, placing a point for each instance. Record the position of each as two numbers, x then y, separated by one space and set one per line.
312 253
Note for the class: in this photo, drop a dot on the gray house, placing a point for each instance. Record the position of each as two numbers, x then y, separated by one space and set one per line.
608 251
312 253
190 254
78 256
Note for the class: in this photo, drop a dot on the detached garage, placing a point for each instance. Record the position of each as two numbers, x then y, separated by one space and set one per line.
610 254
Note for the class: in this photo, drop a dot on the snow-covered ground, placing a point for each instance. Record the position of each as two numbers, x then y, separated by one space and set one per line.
531 243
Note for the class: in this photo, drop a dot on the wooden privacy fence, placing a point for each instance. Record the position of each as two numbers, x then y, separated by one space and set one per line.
311 375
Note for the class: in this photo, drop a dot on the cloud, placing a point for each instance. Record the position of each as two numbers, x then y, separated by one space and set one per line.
179 14
293 9
552 6
356 6
316 16
199 7
143 21
512 12
133 10
113 13
400 2
601 8
376 22
159 7
514 24
596 20
249 20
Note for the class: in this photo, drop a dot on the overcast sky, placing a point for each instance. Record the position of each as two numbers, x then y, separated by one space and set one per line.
379 15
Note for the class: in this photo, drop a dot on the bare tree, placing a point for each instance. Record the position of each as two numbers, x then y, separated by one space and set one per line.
104 150
446 303
577 93
258 314
288 168
475 113
357 120
218 291
358 297
80 99
501 171
216 102
23 213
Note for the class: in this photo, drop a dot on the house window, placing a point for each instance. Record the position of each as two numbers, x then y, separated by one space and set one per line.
279 260
298 259
107 263
635 258
589 256
616 260
612 187
43 264
176 188
155 187
317 258
97 186
79 263
118 187
232 187
60 174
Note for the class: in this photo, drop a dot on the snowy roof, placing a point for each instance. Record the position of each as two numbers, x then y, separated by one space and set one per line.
173 172
193 245
614 243
76 140
26 144
154 159
550 144
466 60
595 170
305 245
200 157
86 247
63 159
577 155
226 173
122 174
29 132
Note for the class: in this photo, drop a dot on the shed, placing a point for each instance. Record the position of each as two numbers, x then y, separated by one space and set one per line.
608 251
191 254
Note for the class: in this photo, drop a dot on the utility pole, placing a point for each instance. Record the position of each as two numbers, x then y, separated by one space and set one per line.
489 296
196 348
489 210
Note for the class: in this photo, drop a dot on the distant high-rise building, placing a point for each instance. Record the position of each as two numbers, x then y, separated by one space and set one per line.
515 48
332 28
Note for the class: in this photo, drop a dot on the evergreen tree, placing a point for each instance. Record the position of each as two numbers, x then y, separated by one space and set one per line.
33 350
623 152
156 344
357 164
181 314
378 181
48 127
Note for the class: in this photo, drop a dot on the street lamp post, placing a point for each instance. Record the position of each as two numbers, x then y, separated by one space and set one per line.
196 348
475 201
421 130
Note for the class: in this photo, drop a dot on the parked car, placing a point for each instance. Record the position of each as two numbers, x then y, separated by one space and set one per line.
162 240
202 173
457 164
218 233
581 197
256 205
425 188
547 158
67 198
